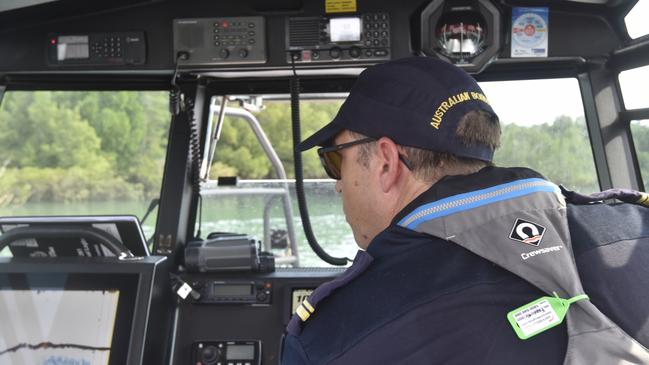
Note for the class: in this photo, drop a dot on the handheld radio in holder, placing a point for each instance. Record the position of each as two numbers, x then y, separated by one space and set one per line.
227 252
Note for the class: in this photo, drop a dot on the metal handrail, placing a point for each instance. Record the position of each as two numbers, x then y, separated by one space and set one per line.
275 161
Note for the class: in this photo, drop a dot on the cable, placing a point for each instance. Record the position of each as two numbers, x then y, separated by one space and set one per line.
195 154
178 103
299 178
154 203
174 92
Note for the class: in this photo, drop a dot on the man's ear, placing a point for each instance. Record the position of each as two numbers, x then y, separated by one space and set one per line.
390 167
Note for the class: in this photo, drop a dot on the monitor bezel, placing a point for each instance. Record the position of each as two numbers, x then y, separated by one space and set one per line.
145 275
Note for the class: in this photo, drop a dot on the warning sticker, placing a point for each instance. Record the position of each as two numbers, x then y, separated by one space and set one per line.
340 6
536 317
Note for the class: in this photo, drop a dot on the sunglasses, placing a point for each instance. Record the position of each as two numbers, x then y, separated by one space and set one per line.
331 158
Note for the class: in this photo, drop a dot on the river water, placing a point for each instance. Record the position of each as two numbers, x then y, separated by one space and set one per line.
240 213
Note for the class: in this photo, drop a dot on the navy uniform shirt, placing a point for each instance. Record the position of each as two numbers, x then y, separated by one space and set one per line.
423 300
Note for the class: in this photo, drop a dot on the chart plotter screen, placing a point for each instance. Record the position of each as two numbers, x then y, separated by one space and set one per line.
63 322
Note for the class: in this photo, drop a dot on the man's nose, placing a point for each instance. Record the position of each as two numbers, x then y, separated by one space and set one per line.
338 187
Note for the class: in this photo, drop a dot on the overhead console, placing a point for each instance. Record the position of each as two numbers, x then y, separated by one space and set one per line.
269 38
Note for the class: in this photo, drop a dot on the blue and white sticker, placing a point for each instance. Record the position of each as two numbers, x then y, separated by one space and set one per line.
529 32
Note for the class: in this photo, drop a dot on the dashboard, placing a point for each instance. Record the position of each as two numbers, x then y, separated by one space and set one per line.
247 312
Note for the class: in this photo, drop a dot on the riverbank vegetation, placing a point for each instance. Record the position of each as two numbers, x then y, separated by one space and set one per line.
98 146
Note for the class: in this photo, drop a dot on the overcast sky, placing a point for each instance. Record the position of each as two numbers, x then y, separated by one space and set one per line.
534 101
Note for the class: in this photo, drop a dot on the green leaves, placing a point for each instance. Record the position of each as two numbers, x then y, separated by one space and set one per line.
239 151
561 151
82 146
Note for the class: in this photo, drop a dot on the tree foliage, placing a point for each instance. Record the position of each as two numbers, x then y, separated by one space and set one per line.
81 146
95 146
239 152
559 150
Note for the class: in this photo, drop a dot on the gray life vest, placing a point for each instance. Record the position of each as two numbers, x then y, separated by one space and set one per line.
522 226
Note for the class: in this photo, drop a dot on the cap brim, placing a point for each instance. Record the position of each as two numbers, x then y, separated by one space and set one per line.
321 137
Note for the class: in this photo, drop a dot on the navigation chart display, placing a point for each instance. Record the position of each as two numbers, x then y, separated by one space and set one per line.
57 327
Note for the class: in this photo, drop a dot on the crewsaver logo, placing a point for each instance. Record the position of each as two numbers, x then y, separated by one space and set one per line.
527 232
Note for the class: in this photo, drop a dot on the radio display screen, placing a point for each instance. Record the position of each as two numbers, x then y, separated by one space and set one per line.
72 47
240 352
232 289
345 29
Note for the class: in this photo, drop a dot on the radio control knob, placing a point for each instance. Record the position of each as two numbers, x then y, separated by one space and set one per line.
335 53
355 52
243 53
210 355
224 53
261 297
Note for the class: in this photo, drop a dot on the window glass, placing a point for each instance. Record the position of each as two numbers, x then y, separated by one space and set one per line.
640 133
82 153
260 202
636 20
633 84
543 127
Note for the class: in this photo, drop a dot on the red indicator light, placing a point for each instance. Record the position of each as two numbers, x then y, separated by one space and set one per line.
53 41
226 24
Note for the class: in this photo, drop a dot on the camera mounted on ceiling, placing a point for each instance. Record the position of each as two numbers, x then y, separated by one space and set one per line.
466 33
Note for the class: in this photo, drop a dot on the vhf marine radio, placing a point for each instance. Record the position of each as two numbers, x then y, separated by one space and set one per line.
342 38
96 49
242 352
220 41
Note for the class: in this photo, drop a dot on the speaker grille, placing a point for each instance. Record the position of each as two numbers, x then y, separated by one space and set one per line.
303 32
190 35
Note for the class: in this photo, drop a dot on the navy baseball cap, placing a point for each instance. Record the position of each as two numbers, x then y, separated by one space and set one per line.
416 102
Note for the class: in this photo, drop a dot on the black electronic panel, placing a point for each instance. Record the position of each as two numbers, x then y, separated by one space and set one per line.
84 311
97 49
218 41
239 318
227 352
356 38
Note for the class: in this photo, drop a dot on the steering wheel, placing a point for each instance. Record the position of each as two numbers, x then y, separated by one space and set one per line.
66 231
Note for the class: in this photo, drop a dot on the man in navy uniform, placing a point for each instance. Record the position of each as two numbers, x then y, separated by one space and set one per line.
450 244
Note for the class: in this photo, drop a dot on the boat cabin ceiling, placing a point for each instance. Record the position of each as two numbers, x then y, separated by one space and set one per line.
70 39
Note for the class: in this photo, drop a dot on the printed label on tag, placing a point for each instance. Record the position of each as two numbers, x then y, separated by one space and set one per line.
540 315
536 317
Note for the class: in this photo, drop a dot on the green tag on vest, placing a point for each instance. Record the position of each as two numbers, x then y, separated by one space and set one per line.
540 315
